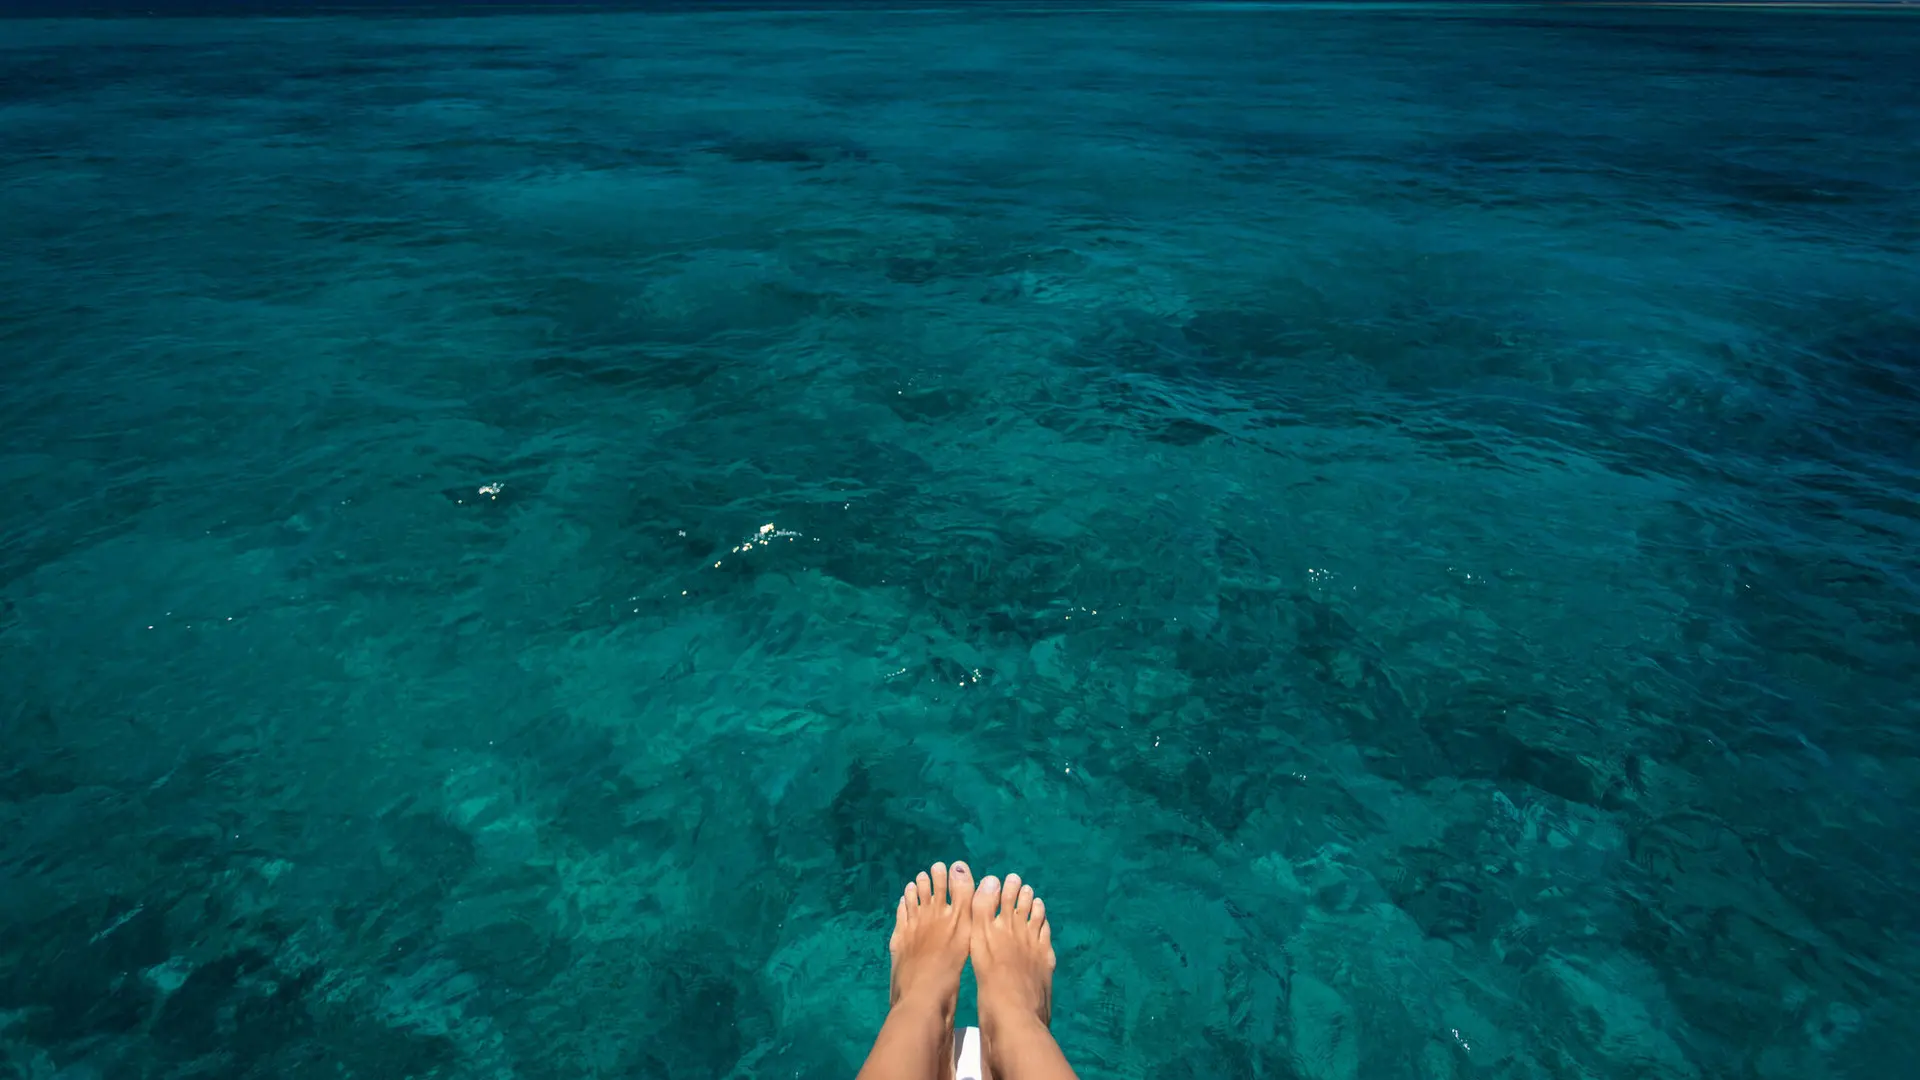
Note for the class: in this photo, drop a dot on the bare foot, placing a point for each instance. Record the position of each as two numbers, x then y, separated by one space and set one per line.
1012 956
930 938
931 931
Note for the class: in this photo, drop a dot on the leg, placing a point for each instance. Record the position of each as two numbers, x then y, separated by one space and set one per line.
929 945
1012 951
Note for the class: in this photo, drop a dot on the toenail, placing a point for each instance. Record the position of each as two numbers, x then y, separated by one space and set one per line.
990 884
960 868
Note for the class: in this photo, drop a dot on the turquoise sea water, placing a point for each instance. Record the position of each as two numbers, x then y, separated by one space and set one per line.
521 533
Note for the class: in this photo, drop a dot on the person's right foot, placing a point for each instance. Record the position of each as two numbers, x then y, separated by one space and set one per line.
1012 951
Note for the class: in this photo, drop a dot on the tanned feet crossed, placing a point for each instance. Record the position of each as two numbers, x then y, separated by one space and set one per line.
943 919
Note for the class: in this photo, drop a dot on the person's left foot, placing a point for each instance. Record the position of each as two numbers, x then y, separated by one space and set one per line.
931 930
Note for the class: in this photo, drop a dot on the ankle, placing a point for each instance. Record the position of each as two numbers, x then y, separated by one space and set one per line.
918 1000
1009 1019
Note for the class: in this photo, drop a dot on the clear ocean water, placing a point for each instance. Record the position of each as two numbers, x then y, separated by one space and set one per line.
521 532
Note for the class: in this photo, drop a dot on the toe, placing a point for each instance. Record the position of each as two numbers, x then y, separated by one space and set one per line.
960 884
1039 915
1012 900
986 900
910 902
940 883
1023 907
925 885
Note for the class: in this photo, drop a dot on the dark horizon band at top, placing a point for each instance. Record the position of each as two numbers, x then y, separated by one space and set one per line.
56 8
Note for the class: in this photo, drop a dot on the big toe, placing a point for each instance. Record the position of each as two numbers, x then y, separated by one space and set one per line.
960 884
986 900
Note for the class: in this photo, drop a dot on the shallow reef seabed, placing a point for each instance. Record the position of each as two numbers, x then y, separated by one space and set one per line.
520 533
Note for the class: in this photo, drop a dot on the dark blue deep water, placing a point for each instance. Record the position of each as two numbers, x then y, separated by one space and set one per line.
520 533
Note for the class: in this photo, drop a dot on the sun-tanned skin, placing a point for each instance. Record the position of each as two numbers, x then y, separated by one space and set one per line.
931 928
941 919
1012 949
